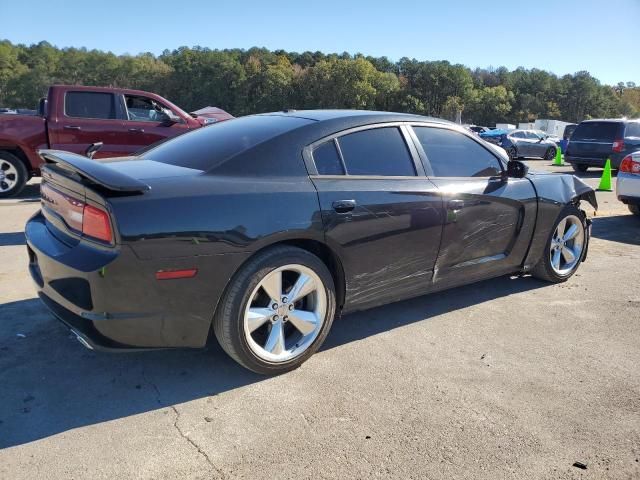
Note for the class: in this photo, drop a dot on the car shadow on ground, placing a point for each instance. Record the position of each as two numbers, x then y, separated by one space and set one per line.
51 384
12 238
618 228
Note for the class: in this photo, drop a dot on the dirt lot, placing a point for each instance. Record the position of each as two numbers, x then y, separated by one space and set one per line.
510 378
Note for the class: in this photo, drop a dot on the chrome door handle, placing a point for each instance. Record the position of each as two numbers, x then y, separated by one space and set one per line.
344 206
455 204
137 130
72 127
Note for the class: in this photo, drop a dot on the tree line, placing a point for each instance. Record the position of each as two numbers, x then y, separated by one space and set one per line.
259 80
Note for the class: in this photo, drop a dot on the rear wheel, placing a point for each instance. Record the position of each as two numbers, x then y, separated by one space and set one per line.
550 153
579 167
565 247
13 175
635 209
277 310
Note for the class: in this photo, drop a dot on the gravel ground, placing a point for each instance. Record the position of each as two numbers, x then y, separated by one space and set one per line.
509 378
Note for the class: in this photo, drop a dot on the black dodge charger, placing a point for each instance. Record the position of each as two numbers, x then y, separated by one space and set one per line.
264 229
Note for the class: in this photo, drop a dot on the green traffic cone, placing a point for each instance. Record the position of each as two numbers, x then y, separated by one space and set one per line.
605 180
559 161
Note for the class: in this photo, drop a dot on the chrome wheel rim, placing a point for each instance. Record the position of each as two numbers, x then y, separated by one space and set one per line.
567 244
285 313
8 176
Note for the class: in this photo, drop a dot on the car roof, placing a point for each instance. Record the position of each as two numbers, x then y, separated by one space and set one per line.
611 120
359 116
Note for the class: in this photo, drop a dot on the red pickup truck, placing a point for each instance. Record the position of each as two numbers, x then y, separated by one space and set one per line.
73 118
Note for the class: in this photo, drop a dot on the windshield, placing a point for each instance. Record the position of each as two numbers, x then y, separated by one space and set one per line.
209 146
596 131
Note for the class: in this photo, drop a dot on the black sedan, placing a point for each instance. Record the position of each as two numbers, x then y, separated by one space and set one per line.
265 228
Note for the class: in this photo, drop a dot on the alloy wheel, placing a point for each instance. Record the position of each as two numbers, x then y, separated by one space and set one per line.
8 176
285 313
567 245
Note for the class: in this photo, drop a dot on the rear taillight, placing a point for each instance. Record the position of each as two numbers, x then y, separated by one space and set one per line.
618 145
96 224
630 164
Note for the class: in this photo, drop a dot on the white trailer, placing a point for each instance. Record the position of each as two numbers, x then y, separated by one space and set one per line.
504 126
552 127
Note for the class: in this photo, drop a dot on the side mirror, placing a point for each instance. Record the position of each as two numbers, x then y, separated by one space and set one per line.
516 169
172 118
92 149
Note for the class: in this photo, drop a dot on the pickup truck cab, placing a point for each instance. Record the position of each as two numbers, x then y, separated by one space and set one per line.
73 117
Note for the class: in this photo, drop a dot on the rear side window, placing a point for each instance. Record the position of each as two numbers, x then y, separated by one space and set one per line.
327 159
379 151
209 146
452 154
90 105
597 131
632 130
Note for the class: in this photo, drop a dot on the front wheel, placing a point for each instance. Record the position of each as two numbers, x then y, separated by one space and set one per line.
579 167
565 247
277 310
635 209
512 152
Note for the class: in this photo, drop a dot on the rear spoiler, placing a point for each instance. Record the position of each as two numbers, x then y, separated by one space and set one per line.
93 170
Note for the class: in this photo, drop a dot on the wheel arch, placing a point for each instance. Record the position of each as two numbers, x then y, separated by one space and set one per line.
321 250
20 155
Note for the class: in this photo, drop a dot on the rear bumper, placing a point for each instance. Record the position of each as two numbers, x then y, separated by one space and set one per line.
593 161
111 299
628 188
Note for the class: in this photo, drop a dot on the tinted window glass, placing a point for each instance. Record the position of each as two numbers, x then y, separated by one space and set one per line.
379 151
327 159
89 105
596 131
452 154
568 130
633 130
207 147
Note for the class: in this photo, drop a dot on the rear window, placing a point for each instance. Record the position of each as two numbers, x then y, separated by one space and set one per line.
597 131
89 105
209 146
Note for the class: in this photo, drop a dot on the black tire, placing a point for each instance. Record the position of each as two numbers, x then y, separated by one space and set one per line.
512 153
550 153
635 209
22 175
228 323
580 167
543 269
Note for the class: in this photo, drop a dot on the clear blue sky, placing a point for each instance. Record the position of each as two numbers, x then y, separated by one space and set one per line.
562 36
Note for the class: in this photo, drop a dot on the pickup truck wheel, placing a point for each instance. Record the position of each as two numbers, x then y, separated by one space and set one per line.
13 175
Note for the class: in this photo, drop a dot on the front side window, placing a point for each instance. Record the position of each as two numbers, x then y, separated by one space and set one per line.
378 151
452 154
90 105
144 109
518 135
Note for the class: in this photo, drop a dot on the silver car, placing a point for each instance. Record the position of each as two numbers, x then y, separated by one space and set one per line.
628 182
528 143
